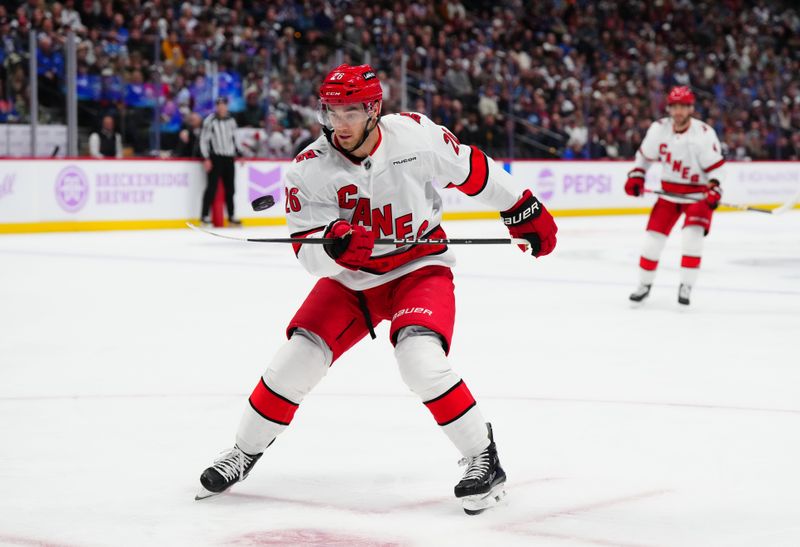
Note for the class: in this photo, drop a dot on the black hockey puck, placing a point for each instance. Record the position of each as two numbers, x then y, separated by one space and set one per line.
263 203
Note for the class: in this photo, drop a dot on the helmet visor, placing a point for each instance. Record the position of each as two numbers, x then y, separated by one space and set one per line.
345 115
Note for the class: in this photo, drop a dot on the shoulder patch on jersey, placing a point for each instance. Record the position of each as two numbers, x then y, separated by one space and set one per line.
307 155
413 115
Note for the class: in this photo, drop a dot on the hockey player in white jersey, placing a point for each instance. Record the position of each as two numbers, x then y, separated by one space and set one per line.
370 177
692 168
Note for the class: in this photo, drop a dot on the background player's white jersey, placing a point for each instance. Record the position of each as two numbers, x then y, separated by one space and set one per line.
689 159
390 192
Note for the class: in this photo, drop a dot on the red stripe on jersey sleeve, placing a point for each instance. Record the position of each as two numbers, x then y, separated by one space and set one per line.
452 404
478 174
296 246
711 168
272 406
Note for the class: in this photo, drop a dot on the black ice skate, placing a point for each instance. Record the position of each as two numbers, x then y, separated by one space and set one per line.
483 483
233 466
641 292
684 292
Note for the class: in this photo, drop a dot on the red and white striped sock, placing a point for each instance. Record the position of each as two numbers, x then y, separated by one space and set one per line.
426 370
651 252
294 371
692 240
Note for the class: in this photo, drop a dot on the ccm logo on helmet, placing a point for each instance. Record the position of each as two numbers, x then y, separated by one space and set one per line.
369 75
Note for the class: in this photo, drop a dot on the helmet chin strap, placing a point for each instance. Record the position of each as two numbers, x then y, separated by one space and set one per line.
346 152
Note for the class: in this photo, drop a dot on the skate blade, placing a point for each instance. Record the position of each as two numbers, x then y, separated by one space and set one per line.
475 505
203 494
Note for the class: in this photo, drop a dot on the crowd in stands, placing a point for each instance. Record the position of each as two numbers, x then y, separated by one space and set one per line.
557 78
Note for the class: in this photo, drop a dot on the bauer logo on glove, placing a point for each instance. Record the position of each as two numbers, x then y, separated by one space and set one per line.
531 212
528 219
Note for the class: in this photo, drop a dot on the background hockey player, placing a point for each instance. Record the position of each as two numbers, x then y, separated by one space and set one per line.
692 166
371 177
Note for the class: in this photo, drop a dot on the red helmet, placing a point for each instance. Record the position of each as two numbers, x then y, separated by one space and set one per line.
347 84
680 95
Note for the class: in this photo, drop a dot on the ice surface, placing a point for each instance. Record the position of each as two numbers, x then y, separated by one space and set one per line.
126 359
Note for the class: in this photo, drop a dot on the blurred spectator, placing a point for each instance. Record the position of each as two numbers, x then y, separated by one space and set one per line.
172 50
487 104
457 81
578 133
106 143
314 132
493 71
189 138
492 138
50 69
253 114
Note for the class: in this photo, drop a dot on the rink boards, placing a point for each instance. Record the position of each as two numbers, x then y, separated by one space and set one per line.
39 194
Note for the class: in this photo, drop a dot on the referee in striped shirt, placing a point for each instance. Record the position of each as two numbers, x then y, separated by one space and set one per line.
218 146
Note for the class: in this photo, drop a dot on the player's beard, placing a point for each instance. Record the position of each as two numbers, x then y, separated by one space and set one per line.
355 142
680 121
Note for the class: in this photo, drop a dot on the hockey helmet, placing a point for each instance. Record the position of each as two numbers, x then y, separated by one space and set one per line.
680 95
348 84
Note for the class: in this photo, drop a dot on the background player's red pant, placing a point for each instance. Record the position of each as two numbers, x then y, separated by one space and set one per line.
423 297
666 213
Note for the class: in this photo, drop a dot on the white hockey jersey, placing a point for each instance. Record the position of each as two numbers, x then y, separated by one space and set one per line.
391 193
689 159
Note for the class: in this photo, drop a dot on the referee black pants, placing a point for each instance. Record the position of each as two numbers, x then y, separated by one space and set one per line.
221 167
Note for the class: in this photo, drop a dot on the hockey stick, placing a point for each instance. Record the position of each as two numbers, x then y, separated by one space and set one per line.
696 200
409 241
788 205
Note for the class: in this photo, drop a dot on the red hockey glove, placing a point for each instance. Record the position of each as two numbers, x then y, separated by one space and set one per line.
634 186
353 246
528 219
713 194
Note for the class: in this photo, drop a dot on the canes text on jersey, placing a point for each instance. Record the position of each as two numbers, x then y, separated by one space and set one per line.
677 165
381 220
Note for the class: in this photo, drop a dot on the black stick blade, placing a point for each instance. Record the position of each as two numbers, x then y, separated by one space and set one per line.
263 203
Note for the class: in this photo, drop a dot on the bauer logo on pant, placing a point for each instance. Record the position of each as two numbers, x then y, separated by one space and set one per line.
406 311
